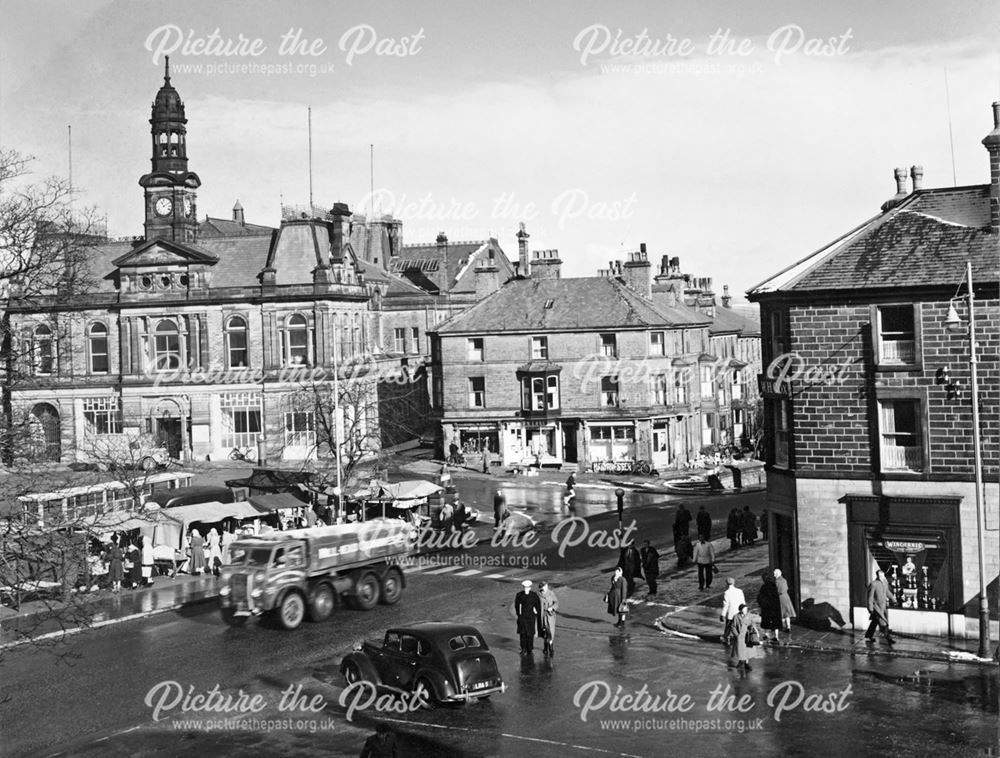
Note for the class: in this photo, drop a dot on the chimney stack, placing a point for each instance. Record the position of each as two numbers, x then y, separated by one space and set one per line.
637 272
917 174
238 214
892 202
442 239
726 297
992 143
523 259
339 233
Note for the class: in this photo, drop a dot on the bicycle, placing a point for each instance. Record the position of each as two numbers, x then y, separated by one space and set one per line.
244 454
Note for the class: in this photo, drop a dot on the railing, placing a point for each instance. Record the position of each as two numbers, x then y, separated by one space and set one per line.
908 458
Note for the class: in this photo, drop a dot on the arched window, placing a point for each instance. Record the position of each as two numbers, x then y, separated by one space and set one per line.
43 352
236 342
97 338
296 340
166 347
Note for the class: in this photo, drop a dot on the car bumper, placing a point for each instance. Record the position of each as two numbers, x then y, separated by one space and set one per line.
476 694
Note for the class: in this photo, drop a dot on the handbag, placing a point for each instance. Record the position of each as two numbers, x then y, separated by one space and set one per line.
753 637
715 569
623 608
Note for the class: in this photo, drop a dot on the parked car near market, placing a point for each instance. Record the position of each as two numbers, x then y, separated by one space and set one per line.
444 662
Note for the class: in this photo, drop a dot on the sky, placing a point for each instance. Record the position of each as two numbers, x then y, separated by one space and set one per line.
737 136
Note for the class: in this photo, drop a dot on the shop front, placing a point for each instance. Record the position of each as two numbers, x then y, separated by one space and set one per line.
612 442
916 542
534 442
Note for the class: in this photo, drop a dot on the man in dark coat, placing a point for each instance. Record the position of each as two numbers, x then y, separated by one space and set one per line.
682 522
733 528
630 563
382 744
748 522
650 560
528 608
704 522
499 506
879 598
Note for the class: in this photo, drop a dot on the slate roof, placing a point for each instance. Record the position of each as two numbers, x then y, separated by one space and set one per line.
223 227
589 303
436 268
396 285
925 240
731 320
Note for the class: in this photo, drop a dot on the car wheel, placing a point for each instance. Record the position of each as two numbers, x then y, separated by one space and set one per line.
148 463
352 673
392 587
321 604
230 617
292 610
425 691
366 592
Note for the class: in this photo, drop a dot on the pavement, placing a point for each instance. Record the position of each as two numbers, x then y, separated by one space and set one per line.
679 608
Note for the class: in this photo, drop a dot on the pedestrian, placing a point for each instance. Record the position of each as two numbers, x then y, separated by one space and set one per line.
196 553
739 649
704 557
732 599
748 524
226 540
630 563
550 605
704 522
733 528
879 597
444 478
528 609
322 514
770 607
683 548
499 506
382 744
310 517
213 554
785 602
147 560
460 516
763 525
570 489
445 516
682 522
650 561
134 558
116 566
616 598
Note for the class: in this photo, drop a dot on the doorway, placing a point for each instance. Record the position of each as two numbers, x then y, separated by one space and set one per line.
569 443
168 435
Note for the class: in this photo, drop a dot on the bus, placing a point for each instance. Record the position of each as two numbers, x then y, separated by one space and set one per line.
68 505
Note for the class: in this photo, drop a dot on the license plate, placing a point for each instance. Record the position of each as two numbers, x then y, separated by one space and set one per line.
481 685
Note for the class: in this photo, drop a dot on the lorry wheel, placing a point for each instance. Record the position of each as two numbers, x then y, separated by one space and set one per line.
321 604
230 617
366 592
292 610
392 587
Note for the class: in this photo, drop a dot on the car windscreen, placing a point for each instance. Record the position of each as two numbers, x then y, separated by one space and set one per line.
465 642
254 556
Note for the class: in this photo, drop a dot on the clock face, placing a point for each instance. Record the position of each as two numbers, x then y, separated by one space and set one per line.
188 206
163 206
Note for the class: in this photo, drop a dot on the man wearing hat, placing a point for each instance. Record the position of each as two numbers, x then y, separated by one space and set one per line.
528 608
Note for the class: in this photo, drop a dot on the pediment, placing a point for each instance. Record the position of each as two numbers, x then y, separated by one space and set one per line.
160 252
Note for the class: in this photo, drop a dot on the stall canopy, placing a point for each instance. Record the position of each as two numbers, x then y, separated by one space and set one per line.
266 481
277 502
398 492
124 521
209 513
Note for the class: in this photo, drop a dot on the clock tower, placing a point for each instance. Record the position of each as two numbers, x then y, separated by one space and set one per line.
170 189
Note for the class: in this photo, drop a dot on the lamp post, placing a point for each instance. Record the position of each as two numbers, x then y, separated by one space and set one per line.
954 324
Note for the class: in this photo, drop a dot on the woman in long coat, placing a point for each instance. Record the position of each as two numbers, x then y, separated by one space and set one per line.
738 648
770 607
197 552
787 609
147 560
214 551
116 566
550 604
616 596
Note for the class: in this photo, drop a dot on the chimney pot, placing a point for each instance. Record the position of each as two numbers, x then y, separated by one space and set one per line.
917 174
442 239
522 251
992 144
642 248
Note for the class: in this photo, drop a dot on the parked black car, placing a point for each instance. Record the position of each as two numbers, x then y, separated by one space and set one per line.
447 662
